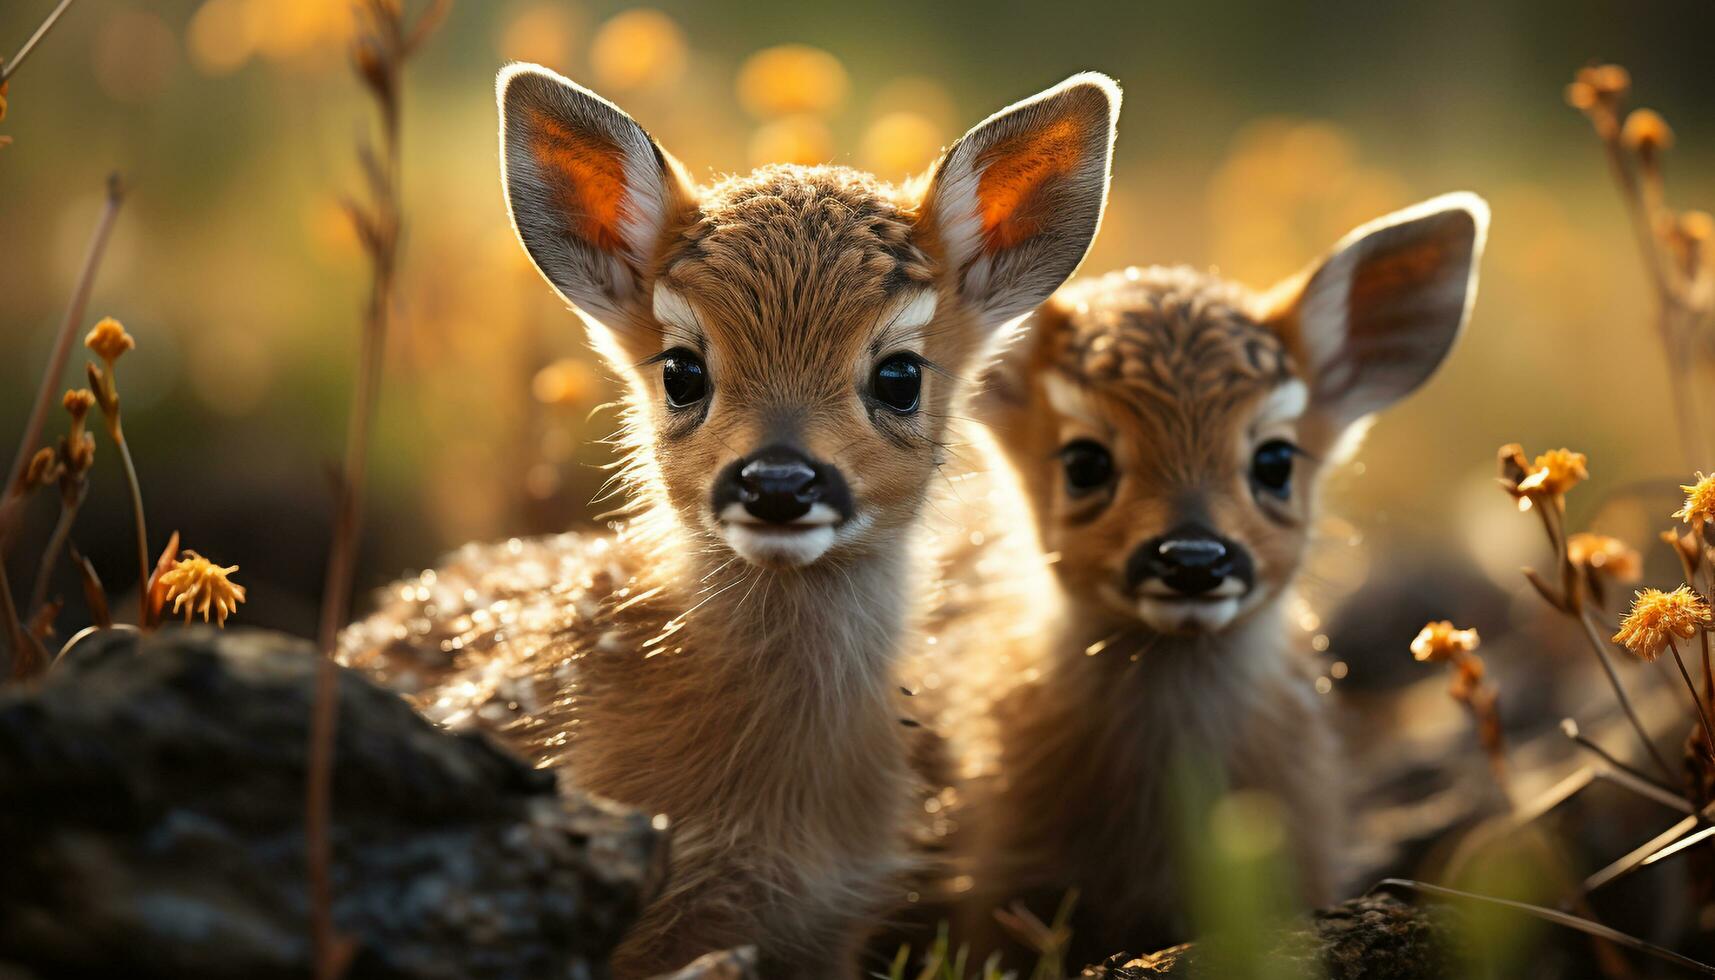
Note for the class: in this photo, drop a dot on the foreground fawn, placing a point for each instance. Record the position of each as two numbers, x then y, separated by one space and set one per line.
791 341
1168 430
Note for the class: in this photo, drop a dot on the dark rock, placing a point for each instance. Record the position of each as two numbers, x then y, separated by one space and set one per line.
152 812
1374 938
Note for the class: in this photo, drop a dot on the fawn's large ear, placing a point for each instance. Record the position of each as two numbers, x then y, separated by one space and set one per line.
591 194
1014 204
1373 320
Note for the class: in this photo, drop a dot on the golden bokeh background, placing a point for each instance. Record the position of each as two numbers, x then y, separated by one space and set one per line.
1253 136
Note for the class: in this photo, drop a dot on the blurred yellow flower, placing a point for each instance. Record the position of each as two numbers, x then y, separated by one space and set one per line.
1699 501
109 340
1439 641
570 382
1608 555
1657 617
794 139
3 86
901 143
542 33
638 49
197 585
1555 472
1646 133
789 79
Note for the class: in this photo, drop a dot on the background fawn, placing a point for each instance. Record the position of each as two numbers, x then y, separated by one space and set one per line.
1169 430
791 341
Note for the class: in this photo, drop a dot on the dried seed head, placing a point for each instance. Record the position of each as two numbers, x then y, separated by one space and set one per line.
1609 82
1647 134
1657 617
77 450
1699 501
197 585
1600 554
109 340
1440 641
78 402
44 469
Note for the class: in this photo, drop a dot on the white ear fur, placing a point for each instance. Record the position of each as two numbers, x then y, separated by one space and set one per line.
590 194
1054 150
1379 315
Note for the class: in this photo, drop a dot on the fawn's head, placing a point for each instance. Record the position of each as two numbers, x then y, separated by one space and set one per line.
793 338
1170 427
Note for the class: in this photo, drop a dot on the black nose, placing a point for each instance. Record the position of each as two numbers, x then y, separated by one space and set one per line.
778 485
1190 560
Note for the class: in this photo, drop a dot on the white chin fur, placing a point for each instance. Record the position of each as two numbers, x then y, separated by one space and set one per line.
793 545
1188 615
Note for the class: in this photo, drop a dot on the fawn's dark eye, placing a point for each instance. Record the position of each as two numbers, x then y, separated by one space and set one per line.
898 383
1088 466
684 377
1271 467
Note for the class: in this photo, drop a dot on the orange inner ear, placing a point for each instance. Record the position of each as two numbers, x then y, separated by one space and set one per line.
1017 171
590 178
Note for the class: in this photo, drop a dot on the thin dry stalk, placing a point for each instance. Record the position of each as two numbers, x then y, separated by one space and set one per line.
16 639
1685 308
11 66
1696 703
56 544
12 501
379 54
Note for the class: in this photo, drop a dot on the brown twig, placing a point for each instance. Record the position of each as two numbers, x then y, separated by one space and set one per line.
11 66
379 55
11 500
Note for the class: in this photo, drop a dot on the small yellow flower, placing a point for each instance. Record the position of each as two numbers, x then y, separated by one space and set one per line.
1440 641
1555 472
1657 617
197 585
109 340
1599 553
1699 501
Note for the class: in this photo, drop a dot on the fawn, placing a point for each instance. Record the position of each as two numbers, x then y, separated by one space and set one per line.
792 343
1168 430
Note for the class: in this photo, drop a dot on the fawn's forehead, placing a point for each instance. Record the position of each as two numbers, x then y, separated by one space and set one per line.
805 257
1173 344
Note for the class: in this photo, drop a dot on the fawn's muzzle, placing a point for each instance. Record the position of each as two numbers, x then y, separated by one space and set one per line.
779 485
1190 562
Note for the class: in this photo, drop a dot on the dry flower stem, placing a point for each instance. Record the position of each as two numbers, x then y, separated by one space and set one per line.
1598 644
9 502
379 55
1590 745
51 554
15 637
1691 688
136 490
11 66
